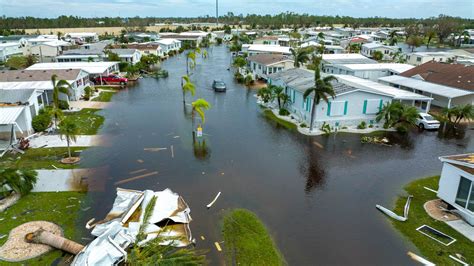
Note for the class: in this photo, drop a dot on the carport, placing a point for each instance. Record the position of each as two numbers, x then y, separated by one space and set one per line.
8 118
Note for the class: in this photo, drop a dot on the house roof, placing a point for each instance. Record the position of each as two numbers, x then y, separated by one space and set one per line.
9 114
141 46
37 75
16 96
374 45
123 52
394 67
369 85
82 51
268 59
347 59
454 75
89 67
167 41
463 161
425 86
267 48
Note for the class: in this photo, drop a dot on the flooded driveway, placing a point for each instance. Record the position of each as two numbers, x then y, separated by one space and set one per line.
317 195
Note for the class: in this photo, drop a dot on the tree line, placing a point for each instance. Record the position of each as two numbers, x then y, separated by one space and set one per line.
288 19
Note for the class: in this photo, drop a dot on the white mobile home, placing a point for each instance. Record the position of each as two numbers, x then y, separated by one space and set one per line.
456 185
263 65
131 56
356 99
8 50
419 58
47 51
168 45
387 51
253 49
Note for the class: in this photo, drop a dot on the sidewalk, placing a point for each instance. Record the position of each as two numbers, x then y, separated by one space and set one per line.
88 104
54 141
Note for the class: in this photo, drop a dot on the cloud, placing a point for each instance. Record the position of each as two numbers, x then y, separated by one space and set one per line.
193 8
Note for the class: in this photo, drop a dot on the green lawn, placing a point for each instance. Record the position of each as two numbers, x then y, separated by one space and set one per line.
46 206
430 249
271 116
41 158
88 121
104 96
247 241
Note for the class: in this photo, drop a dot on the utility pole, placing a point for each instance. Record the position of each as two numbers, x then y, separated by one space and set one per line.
217 13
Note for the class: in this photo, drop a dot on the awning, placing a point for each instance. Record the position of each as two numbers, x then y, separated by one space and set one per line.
9 114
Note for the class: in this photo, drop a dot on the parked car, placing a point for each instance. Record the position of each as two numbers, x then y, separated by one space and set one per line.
219 86
426 121
111 79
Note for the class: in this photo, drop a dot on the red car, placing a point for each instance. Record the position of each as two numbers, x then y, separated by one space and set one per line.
111 79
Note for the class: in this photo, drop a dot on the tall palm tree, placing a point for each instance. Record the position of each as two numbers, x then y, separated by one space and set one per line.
456 114
392 38
300 56
20 181
59 86
191 55
321 90
187 86
199 107
398 115
69 130
278 93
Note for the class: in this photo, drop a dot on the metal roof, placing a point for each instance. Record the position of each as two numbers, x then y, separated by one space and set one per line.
90 67
369 85
21 96
425 86
394 67
347 59
9 114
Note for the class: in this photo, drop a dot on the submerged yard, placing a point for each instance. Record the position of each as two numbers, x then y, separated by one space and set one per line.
430 249
88 121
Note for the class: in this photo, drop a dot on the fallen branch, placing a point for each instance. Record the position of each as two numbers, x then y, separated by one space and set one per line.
212 202
135 178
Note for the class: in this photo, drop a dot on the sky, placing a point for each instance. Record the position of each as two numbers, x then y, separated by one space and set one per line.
194 8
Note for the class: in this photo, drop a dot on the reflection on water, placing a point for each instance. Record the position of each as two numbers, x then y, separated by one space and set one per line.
315 194
449 131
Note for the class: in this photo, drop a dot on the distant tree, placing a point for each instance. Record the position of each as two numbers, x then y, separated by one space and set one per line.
446 25
430 34
414 41
392 38
21 62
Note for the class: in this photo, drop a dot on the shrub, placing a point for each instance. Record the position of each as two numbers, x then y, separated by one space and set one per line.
326 128
248 80
63 105
344 127
239 77
362 125
371 126
303 125
123 66
283 112
87 93
42 121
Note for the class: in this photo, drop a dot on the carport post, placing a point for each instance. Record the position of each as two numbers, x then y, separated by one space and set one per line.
100 75
428 105
449 103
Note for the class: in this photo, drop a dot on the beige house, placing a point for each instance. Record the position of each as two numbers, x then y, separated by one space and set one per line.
262 65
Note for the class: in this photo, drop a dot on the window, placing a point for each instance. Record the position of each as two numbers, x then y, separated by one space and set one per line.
418 59
337 108
463 193
372 106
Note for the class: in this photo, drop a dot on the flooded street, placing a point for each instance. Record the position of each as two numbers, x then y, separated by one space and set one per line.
317 195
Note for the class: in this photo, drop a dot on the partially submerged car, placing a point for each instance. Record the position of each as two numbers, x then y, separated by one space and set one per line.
111 79
219 86
426 121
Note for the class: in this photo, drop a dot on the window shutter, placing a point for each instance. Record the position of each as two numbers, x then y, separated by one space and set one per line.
329 109
345 107
381 105
365 107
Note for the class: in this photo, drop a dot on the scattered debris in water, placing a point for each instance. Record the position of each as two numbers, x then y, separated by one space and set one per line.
172 151
375 140
319 145
135 178
175 137
137 171
218 246
394 215
213 201
86 209
154 149
203 238
140 161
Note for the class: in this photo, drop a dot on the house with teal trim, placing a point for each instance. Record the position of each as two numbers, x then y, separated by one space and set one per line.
356 99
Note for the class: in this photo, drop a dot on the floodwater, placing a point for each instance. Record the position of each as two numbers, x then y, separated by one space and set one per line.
316 195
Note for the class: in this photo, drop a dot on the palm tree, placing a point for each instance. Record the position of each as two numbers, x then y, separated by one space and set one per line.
59 86
199 106
398 115
266 94
392 38
321 36
192 55
377 55
456 114
278 93
188 86
321 90
69 130
20 181
300 56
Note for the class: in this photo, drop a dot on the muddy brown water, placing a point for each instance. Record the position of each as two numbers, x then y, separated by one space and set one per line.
316 195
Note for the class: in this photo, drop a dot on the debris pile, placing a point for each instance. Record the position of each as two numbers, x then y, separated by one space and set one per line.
118 231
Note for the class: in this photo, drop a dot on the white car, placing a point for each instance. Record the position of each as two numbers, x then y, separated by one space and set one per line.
426 121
